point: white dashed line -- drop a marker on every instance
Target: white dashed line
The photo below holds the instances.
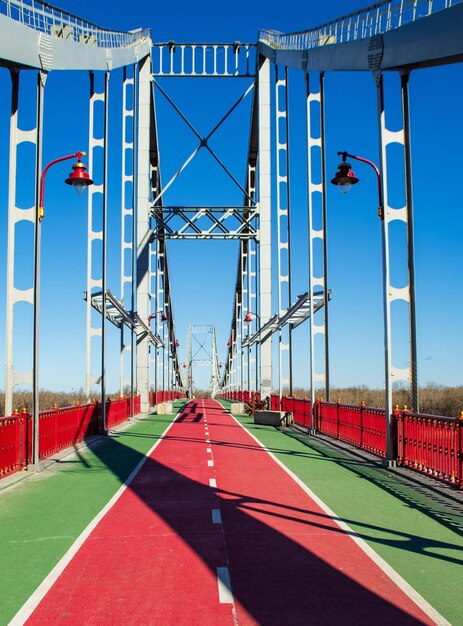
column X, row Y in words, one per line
column 224, row 585
column 209, row 450
column 213, row 483
column 210, row 463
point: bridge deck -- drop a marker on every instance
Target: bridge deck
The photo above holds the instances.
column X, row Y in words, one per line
column 213, row 529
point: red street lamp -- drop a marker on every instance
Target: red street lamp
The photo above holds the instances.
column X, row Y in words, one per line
column 79, row 179
column 345, row 177
column 164, row 317
column 248, row 318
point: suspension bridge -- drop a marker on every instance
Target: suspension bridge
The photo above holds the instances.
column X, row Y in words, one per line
column 158, row 507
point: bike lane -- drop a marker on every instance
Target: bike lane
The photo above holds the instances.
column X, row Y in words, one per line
column 154, row 556
column 212, row 530
column 290, row 562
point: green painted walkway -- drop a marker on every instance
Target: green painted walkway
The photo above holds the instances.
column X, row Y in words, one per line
column 416, row 527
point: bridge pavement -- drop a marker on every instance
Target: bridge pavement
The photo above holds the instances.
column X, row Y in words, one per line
column 212, row 529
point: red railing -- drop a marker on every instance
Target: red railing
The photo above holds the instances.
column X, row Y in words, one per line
column 432, row 445
column 58, row 429
column 426, row 443
column 301, row 410
column 61, row 428
column 360, row 425
column 13, row 442
column 156, row 397
column 240, row 396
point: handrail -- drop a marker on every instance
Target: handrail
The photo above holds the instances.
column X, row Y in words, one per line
column 52, row 21
column 374, row 20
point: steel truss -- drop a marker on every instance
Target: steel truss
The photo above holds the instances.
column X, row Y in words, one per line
column 204, row 222
column 191, row 222
column 198, row 354
column 120, row 317
column 299, row 312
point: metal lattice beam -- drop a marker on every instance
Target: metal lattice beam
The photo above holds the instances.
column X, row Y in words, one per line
column 300, row 311
column 205, row 222
column 119, row 316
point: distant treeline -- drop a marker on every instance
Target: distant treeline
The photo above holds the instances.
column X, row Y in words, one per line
column 434, row 399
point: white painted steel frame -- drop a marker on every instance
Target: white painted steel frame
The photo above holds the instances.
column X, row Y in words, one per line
column 188, row 383
column 373, row 20
column 41, row 78
column 391, row 293
column 253, row 354
column 155, row 181
column 265, row 226
column 142, row 212
column 153, row 318
column 127, row 215
column 244, row 308
column 15, row 295
column 160, row 310
column 283, row 226
column 215, row 374
column 316, row 160
column 96, row 283
column 63, row 25
column 212, row 60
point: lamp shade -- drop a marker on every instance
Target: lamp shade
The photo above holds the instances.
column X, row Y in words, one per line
column 345, row 177
column 78, row 178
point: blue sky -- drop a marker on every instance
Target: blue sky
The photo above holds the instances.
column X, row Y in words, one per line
column 203, row 274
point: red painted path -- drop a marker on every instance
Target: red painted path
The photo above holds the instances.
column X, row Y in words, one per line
column 154, row 557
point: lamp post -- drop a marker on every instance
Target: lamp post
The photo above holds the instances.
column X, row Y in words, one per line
column 344, row 179
column 79, row 180
column 248, row 319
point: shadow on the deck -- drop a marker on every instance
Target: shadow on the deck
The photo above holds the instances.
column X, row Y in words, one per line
column 439, row 505
column 273, row 577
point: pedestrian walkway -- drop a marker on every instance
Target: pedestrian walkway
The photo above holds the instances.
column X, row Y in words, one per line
column 210, row 527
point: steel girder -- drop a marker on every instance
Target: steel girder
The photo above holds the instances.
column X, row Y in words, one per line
column 390, row 35
column 190, row 222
